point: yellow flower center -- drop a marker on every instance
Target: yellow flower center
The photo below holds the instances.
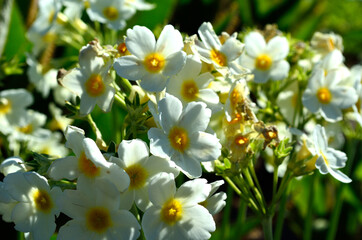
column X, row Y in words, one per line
column 235, row 97
column 94, row 85
column 98, row 219
column 111, row 13
column 42, row 201
column 179, row 139
column 218, row 57
column 86, row 4
column 154, row 62
column 263, row 62
column 138, row 176
column 171, row 211
column 27, row 129
column 189, row 90
column 5, row 106
column 324, row 95
column 87, row 167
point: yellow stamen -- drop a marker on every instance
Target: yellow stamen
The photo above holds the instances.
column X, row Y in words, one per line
column 154, row 62
column 98, row 219
column 42, row 201
column 138, row 176
column 241, row 140
column 122, row 49
column 87, row 167
column 263, row 62
column 94, row 85
column 111, row 13
column 324, row 95
column 218, row 57
column 171, row 211
column 27, row 129
column 189, row 90
column 179, row 139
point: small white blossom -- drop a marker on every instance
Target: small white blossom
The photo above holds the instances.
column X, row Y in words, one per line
column 177, row 214
column 182, row 136
column 151, row 62
column 329, row 160
column 266, row 60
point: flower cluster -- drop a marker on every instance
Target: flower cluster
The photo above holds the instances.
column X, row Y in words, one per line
column 191, row 104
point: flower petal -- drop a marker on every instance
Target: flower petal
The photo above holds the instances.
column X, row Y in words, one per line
column 174, row 63
column 254, row 44
column 193, row 192
column 195, row 117
column 170, row 41
column 129, row 67
column 140, row 41
column 278, row 48
column 162, row 188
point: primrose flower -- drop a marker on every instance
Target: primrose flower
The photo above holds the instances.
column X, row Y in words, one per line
column 135, row 160
column 182, row 137
column 37, row 207
column 88, row 164
column 266, row 60
column 215, row 202
column 11, row 165
column 151, row 62
column 177, row 214
column 111, row 12
column 43, row 80
column 324, row 43
column 221, row 54
column 95, row 213
column 91, row 81
column 329, row 160
column 13, row 104
column 326, row 95
column 189, row 85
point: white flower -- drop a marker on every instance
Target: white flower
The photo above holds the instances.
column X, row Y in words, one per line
column 135, row 160
column 7, row 203
column 329, row 159
column 214, row 203
column 326, row 42
column 221, row 55
column 326, row 95
column 151, row 62
column 183, row 138
column 13, row 103
column 88, row 164
column 189, row 85
column 12, row 165
column 95, row 213
column 58, row 122
column 266, row 60
column 36, row 208
column 176, row 214
column 112, row 12
column 91, row 81
column 50, row 145
column 43, row 81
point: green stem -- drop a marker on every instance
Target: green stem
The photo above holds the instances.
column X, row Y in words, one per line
column 120, row 101
column 275, row 181
column 232, row 185
column 267, row 227
column 281, row 214
column 309, row 218
column 352, row 146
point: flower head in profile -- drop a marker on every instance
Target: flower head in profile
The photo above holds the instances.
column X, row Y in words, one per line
column 221, row 54
column 91, row 81
column 327, row 96
column 176, row 213
column 324, row 43
column 37, row 203
column 13, row 104
column 95, row 213
column 152, row 62
column 329, row 160
column 135, row 160
column 182, row 137
column 88, row 164
column 265, row 59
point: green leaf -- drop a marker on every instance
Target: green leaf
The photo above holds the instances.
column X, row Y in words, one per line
column 5, row 15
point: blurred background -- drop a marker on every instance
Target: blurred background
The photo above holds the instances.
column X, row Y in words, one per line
column 300, row 18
